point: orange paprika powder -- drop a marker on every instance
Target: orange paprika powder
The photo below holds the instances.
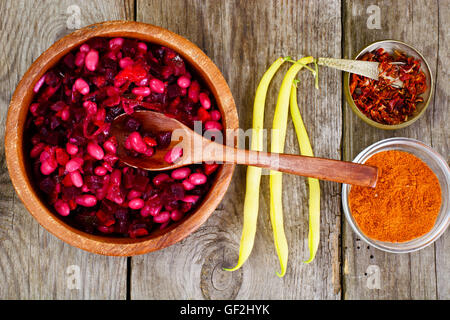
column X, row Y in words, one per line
column 405, row 203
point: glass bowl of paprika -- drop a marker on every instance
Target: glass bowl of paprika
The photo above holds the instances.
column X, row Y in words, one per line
column 377, row 102
column 409, row 208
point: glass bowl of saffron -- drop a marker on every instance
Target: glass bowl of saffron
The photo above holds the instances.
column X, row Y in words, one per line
column 377, row 102
column 410, row 207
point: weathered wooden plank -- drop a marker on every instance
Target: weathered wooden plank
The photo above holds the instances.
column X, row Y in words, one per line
column 243, row 38
column 440, row 136
column 33, row 263
column 407, row 276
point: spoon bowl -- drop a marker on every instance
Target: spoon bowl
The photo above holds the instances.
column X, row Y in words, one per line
column 152, row 122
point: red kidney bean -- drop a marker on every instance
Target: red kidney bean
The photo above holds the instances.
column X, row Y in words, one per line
column 74, row 164
column 197, row 179
column 162, row 217
column 180, row 173
column 79, row 58
column 191, row 198
column 39, row 84
column 110, row 147
column 81, row 86
column 143, row 82
column 125, row 62
column 142, row 47
column 213, row 125
column 95, row 151
column 157, row 85
column 203, row 114
column 116, row 43
column 141, row 91
column 65, row 114
column 71, row 149
column 45, row 155
column 194, row 91
column 86, row 200
column 33, row 108
column 48, row 166
column 62, row 207
column 137, row 143
column 173, row 155
column 136, row 204
column 215, row 115
column 91, row 60
column 85, row 48
column 187, row 185
column 184, row 82
column 100, row 171
column 160, row 178
column 204, row 100
column 176, row 215
column 76, row 178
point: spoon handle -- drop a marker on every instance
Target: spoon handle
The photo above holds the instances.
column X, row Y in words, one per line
column 320, row 168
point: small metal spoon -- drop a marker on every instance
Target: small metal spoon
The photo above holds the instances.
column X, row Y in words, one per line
column 367, row 69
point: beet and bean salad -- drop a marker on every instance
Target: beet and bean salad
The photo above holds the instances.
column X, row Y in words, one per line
column 73, row 156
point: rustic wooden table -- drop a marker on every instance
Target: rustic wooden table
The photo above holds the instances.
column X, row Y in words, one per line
column 242, row 38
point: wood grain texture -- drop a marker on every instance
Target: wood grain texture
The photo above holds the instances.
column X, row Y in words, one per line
column 33, row 263
column 440, row 132
column 417, row 275
column 243, row 39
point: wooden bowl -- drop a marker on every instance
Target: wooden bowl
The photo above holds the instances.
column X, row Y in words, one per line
column 14, row 143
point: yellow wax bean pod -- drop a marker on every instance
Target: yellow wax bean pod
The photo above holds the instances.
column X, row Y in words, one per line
column 314, row 187
column 251, row 202
column 276, row 178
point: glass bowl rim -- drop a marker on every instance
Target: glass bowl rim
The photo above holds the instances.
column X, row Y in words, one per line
column 426, row 239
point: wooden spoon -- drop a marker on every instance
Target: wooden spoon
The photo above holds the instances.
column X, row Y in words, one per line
column 197, row 149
